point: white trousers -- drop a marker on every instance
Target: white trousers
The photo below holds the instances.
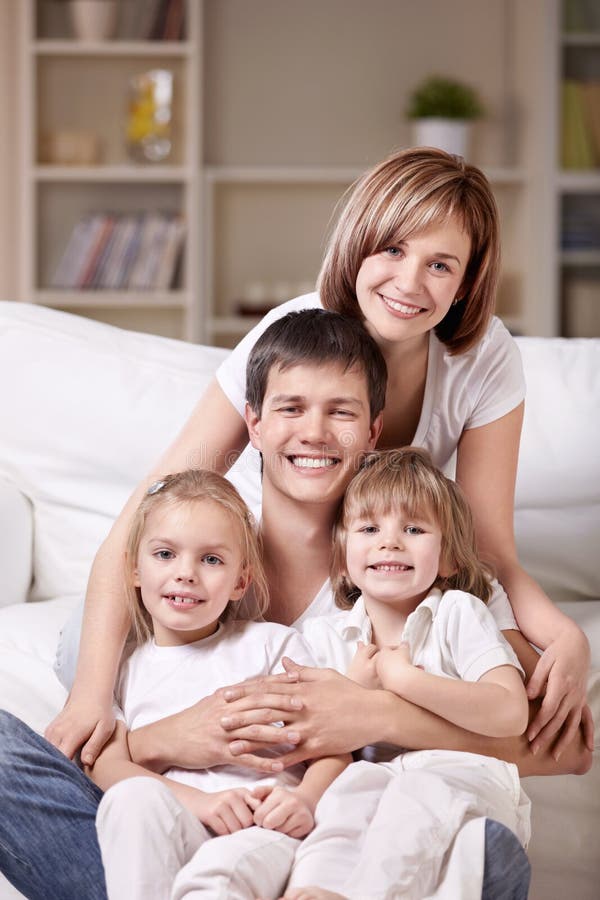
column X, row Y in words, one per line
column 412, row 828
column 153, row 848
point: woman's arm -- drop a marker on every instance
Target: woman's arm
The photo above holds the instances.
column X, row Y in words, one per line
column 486, row 470
column 496, row 705
column 212, row 435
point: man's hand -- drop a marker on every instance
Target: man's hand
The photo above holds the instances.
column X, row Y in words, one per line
column 326, row 712
column 81, row 722
column 283, row 809
column 560, row 677
column 363, row 668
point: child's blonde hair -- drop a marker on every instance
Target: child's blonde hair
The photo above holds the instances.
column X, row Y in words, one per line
column 402, row 196
column 188, row 487
column 407, row 480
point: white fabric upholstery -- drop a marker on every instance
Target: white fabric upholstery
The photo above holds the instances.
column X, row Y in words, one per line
column 88, row 408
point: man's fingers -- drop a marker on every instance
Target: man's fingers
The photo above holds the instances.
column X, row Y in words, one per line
column 263, row 720
column 259, row 763
column 280, row 695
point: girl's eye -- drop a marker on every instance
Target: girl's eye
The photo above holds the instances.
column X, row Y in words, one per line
column 413, row 529
column 164, row 554
column 211, row 560
column 369, row 529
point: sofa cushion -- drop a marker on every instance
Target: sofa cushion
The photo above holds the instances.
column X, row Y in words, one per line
column 89, row 410
column 16, row 530
column 557, row 508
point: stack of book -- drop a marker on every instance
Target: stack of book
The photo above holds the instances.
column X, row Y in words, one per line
column 580, row 124
column 122, row 252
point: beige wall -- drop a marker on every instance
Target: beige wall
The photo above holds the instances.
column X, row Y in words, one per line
column 8, row 150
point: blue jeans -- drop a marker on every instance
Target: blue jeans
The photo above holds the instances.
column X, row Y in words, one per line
column 48, row 844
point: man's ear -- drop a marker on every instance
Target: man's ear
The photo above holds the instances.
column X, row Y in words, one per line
column 253, row 426
column 375, row 431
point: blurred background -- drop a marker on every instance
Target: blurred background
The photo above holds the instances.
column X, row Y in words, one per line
column 174, row 166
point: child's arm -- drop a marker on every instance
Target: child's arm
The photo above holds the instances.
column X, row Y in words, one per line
column 214, row 429
column 292, row 810
column 496, row 705
column 223, row 811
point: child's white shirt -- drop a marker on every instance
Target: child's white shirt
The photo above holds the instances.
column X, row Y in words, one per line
column 155, row 682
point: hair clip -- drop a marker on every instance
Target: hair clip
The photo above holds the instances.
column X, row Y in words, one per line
column 156, row 487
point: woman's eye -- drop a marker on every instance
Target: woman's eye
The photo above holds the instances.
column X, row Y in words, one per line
column 440, row 267
column 392, row 251
column 211, row 560
column 164, row 554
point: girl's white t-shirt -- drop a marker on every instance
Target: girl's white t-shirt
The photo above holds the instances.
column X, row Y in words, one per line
column 462, row 391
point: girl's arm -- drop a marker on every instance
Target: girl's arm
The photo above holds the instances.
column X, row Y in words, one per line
column 212, row 435
column 486, row 470
column 496, row 705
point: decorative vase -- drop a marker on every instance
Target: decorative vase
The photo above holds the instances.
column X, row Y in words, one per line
column 451, row 135
column 93, row 20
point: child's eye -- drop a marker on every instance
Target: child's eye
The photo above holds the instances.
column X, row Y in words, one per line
column 369, row 529
column 413, row 529
column 211, row 560
column 164, row 554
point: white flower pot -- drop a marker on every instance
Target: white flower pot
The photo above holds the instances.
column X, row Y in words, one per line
column 93, row 20
column 451, row 135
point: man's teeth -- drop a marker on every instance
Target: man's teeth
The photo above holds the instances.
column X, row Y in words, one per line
column 310, row 462
column 174, row 598
column 401, row 308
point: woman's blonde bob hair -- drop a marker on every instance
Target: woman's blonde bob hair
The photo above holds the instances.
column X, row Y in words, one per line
column 402, row 196
column 191, row 486
column 406, row 480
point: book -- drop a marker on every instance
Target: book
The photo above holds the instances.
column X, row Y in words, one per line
column 171, row 251
column 576, row 142
column 62, row 277
column 591, row 101
column 86, row 276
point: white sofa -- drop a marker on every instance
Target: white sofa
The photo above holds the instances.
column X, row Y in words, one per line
column 87, row 408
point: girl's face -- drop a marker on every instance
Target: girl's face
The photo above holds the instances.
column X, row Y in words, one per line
column 406, row 290
column 189, row 567
column 393, row 558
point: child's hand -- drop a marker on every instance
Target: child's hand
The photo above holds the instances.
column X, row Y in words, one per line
column 81, row 722
column 282, row 809
column 363, row 668
column 224, row 811
column 393, row 666
column 561, row 675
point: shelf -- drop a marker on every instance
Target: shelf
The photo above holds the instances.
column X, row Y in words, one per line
column 581, row 39
column 126, row 173
column 325, row 175
column 232, row 324
column 112, row 48
column 112, row 299
column 579, row 182
column 580, row 258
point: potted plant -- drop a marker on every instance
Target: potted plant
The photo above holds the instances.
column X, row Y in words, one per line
column 442, row 110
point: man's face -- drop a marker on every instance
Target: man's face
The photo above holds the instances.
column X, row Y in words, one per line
column 314, row 427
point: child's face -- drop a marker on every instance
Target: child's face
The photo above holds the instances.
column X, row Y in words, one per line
column 189, row 567
column 406, row 290
column 393, row 558
column 314, row 428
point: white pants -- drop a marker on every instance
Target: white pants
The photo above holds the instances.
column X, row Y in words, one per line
column 412, row 828
column 155, row 849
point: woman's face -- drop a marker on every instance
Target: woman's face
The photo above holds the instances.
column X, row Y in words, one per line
column 406, row 289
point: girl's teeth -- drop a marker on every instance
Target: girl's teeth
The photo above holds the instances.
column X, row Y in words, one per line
column 188, row 600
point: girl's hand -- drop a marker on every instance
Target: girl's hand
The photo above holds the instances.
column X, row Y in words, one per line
column 81, row 722
column 560, row 676
column 363, row 668
column 393, row 665
column 284, row 810
column 224, row 811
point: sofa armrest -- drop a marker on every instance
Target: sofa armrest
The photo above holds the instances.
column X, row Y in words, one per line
column 16, row 528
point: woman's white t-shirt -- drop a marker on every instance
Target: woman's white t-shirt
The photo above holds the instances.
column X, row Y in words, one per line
column 462, row 391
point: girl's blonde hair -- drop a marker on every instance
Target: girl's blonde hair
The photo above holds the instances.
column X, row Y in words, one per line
column 188, row 487
column 406, row 480
column 402, row 196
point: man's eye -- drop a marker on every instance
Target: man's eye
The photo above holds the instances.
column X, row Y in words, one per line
column 211, row 560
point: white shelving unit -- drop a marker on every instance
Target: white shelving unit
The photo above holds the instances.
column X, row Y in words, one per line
column 58, row 77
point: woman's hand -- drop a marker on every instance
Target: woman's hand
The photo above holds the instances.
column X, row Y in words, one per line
column 327, row 713
column 363, row 668
column 81, row 721
column 282, row 809
column 560, row 676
